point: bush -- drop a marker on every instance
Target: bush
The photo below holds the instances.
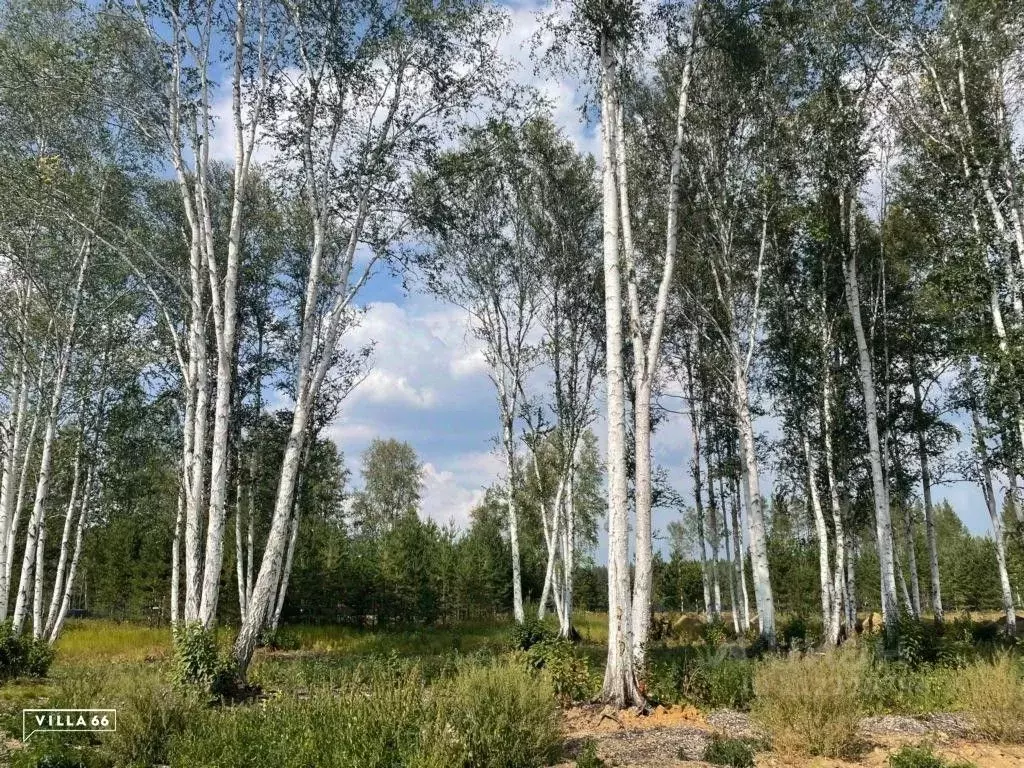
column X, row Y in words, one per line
column 199, row 662
column 567, row 668
column 897, row 687
column 524, row 636
column 506, row 716
column 704, row 676
column 22, row 655
column 811, row 704
column 588, row 757
column 737, row 753
column 922, row 757
column 993, row 695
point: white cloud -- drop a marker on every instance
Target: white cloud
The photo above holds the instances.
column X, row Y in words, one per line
column 381, row 386
column 450, row 495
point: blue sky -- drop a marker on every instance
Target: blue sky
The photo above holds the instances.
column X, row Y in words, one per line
column 429, row 384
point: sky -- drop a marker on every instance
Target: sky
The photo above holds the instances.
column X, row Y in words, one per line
column 429, row 384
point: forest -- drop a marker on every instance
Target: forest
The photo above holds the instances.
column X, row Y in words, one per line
column 787, row 235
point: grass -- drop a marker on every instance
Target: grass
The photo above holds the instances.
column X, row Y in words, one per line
column 992, row 694
column 811, row 704
column 457, row 696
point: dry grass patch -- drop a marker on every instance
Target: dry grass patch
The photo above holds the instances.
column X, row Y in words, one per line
column 992, row 694
column 811, row 704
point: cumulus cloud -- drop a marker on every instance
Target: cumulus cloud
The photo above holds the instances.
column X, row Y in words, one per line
column 450, row 495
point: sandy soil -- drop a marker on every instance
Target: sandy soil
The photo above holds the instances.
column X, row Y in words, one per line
column 671, row 737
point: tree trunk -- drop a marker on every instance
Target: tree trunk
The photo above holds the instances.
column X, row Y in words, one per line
column 620, row 686
column 755, row 513
column 929, row 512
column 829, row 626
column 69, row 585
column 988, row 490
column 740, row 565
column 883, row 522
column 37, row 523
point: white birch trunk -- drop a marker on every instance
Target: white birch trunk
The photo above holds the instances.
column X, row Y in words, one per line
column 179, row 522
column 69, row 584
column 755, row 513
column 37, row 522
column 883, row 521
column 65, row 540
column 830, row 627
column 929, row 512
column 740, row 564
column 620, row 684
column 988, row 489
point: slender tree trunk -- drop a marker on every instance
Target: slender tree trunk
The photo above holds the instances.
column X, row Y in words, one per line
column 883, row 522
column 69, row 585
column 755, row 513
column 620, row 686
column 37, row 523
column 716, row 586
column 179, row 523
column 830, row 627
column 239, row 554
column 728, row 537
column 839, row 591
column 740, row 564
column 988, row 490
column 65, row 540
column 513, row 518
column 915, row 585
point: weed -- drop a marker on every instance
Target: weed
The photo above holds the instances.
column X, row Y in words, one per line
column 811, row 704
column 736, row 753
column 992, row 694
column 588, row 757
column 922, row 757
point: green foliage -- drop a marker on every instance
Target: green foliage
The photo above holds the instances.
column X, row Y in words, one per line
column 587, row 756
column 567, row 667
column 811, row 704
column 736, row 753
column 922, row 757
column 705, row 676
column 149, row 717
column 505, row 716
column 992, row 694
column 898, row 687
column 523, row 636
column 21, row 655
column 200, row 662
column 380, row 715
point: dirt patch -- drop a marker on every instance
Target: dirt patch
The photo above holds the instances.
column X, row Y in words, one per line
column 672, row 737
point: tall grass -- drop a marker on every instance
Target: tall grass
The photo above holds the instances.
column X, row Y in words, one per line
column 992, row 694
column 811, row 704
column 386, row 716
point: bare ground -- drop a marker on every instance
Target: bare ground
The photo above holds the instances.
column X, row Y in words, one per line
column 674, row 737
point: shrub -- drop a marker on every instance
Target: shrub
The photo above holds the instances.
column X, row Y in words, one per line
column 922, row 757
column 587, row 756
column 737, row 753
column 703, row 676
column 506, row 716
column 567, row 668
column 22, row 655
column 898, row 687
column 993, row 695
column 524, row 636
column 198, row 661
column 811, row 704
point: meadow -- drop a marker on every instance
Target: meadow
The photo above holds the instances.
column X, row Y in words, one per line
column 484, row 695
